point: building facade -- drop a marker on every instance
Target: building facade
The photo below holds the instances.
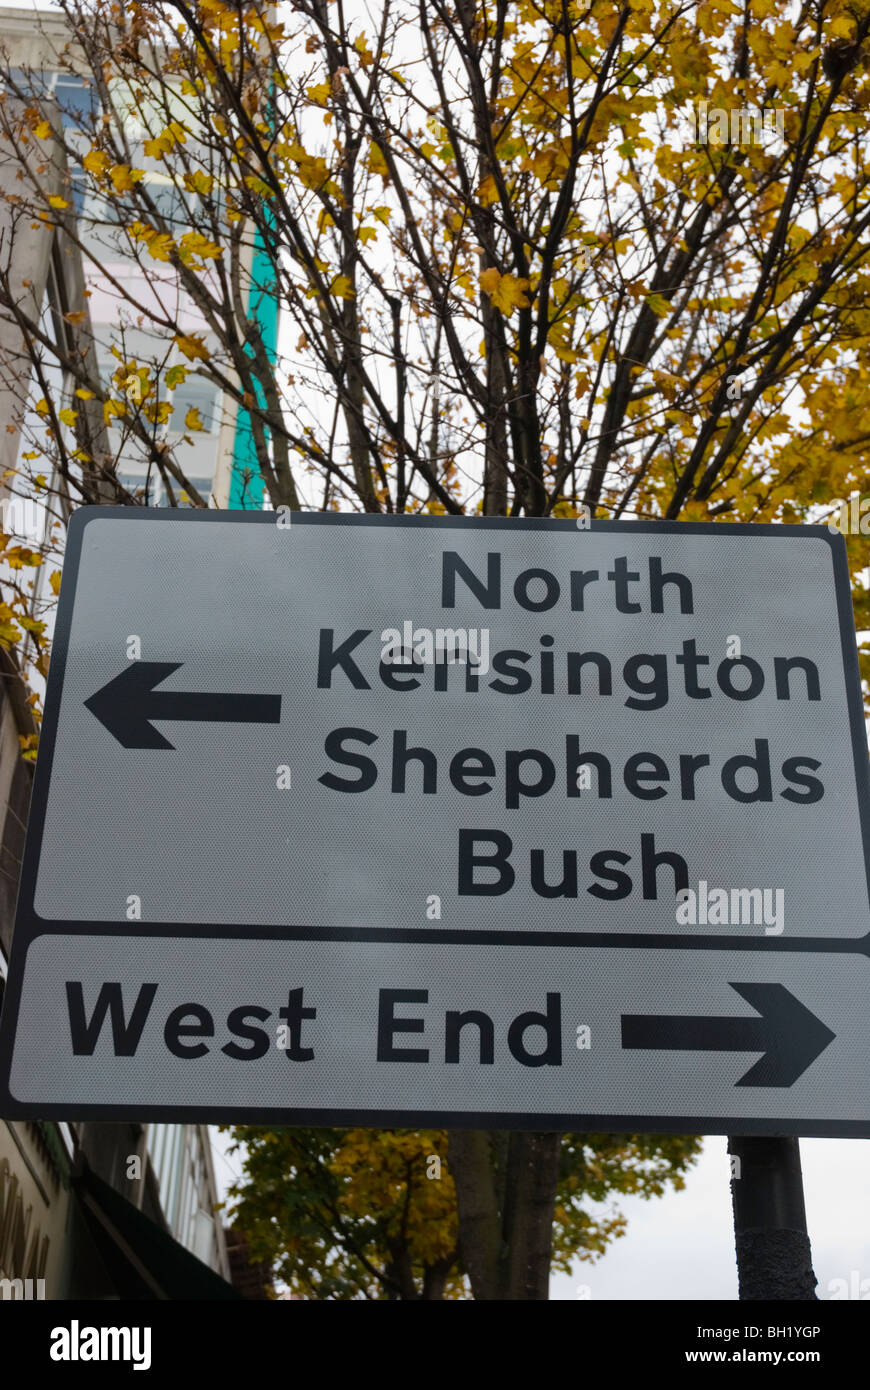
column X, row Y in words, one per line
column 95, row 1210
column 219, row 460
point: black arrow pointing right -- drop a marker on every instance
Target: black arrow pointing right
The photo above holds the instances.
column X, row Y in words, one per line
column 127, row 703
column 790, row 1037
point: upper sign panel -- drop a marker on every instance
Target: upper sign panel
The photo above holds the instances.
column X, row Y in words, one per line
column 634, row 709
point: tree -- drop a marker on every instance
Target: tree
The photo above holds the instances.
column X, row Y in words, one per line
column 373, row 1214
column 532, row 258
column 344, row 1214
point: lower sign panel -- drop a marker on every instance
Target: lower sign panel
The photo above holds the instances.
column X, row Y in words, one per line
column 448, row 1033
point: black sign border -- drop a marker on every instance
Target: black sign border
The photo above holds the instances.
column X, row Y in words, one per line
column 29, row 925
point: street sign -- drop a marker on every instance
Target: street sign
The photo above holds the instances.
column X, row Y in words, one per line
column 447, row 821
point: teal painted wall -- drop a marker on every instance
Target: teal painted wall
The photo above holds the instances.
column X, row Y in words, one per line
column 246, row 484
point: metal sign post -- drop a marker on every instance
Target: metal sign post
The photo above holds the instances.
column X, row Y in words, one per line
column 774, row 1260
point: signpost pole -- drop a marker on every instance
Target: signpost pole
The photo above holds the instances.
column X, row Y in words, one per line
column 774, row 1260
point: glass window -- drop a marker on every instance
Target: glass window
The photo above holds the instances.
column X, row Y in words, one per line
column 157, row 1150
column 147, row 490
column 174, row 1177
column 169, row 201
column 194, row 394
column 76, row 98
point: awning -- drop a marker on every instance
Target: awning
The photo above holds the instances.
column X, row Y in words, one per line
column 144, row 1261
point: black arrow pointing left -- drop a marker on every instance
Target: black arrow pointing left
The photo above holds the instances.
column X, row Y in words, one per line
column 127, row 704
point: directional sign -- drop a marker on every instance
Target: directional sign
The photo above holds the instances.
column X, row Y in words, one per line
column 127, row 705
column 435, row 821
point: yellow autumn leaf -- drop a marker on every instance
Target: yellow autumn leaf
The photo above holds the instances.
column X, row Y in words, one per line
column 465, row 283
column 260, row 186
column 366, row 57
column 777, row 75
column 195, row 244
column 159, row 147
column 96, row 162
column 193, row 419
column 29, row 741
column 382, row 214
column 341, row 287
column 659, row 305
column 158, row 413
column 377, row 163
column 199, row 182
column 842, row 28
column 160, row 246
column 192, row 346
column 43, row 130
column 506, row 292
column 320, row 93
column 124, row 178
column 21, row 555
column 487, row 192
column 54, row 581
column 67, row 416
column 55, row 201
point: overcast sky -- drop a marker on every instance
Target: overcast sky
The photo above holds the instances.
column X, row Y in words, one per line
column 682, row 1246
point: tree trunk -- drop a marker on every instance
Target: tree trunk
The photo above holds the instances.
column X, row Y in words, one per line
column 506, row 1194
column 505, row 1183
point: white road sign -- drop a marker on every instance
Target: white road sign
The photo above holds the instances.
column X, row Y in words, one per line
column 405, row 821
